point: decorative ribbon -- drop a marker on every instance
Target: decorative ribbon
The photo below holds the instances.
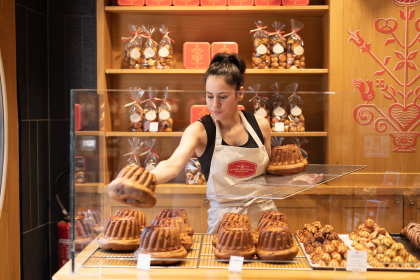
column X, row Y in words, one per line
column 257, row 95
column 151, row 101
column 135, row 102
column 150, row 151
column 133, row 154
column 148, row 36
column 278, row 32
column 259, row 28
column 166, row 35
column 132, row 38
column 294, row 32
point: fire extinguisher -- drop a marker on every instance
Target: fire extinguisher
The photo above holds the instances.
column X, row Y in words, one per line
column 63, row 229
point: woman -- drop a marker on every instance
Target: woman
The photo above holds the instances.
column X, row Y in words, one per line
column 231, row 145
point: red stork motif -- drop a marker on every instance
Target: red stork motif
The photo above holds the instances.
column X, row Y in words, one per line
column 404, row 114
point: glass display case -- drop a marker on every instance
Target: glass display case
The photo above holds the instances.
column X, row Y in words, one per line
column 366, row 156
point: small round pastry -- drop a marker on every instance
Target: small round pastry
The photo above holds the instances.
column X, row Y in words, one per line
column 311, row 255
column 276, row 243
column 396, row 246
column 318, row 225
column 326, row 257
column 398, row 259
column 134, row 186
column 329, row 248
column 364, row 233
column 369, row 223
column 287, row 159
column 370, row 246
column 342, row 248
column 370, row 258
column 353, row 236
column 161, row 242
column 386, row 260
column 406, row 265
column 336, row 244
column 403, row 253
column 178, row 224
column 378, row 265
column 316, row 257
column 120, row 234
column 309, row 249
column 234, row 241
column 394, row 265
column 343, row 263
column 381, row 249
column 390, row 253
column 411, row 259
column 138, row 214
column 329, row 226
column 336, row 256
column 168, row 213
column 333, row 263
column 319, row 237
column 320, row 263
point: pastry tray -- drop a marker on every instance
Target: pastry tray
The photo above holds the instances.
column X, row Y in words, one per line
column 280, row 187
column 208, row 260
column 102, row 258
column 348, row 242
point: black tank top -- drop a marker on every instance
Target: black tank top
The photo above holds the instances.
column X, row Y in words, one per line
column 207, row 121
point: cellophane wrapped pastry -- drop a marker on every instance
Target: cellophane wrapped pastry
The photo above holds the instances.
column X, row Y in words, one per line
column 150, row 110
column 151, row 157
column 261, row 53
column 132, row 54
column 276, row 142
column 135, row 145
column 136, row 114
column 278, row 47
column 165, row 50
column 259, row 102
column 150, row 48
column 165, row 113
column 193, row 173
column 295, row 52
column 278, row 105
column 295, row 120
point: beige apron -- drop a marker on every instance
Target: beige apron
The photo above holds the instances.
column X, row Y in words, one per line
column 230, row 165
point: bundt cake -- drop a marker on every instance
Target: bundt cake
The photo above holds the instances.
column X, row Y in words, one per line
column 134, row 186
column 91, row 215
column 287, row 159
column 120, row 234
column 234, row 241
column 274, row 216
column 168, row 213
column 83, row 233
column 138, row 214
column 276, row 243
column 263, row 224
column 223, row 223
column 161, row 242
column 237, row 217
column 178, row 224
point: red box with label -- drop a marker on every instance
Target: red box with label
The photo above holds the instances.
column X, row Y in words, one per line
column 295, row 2
column 267, row 2
column 78, row 117
column 186, row 2
column 198, row 111
column 196, row 55
column 130, row 2
column 213, row 2
column 158, row 2
column 223, row 47
column 241, row 2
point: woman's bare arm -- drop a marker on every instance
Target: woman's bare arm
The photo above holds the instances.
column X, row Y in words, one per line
column 191, row 139
column 266, row 132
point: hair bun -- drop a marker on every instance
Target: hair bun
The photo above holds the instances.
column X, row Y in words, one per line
column 238, row 61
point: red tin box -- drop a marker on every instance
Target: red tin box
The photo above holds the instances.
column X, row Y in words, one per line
column 130, row 2
column 196, row 55
column 198, row 111
column 186, row 2
column 79, row 117
column 267, row 2
column 158, row 2
column 241, row 2
column 295, row 2
column 223, row 47
column 213, row 2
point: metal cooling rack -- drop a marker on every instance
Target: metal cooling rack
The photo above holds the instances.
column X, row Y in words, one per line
column 280, row 187
column 208, row 260
column 102, row 258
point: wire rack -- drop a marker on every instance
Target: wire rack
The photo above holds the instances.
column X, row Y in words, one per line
column 281, row 187
column 102, row 258
column 208, row 260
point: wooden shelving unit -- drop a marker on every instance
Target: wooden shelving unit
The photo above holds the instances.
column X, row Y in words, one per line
column 307, row 11
column 179, row 134
column 89, row 133
column 300, row 72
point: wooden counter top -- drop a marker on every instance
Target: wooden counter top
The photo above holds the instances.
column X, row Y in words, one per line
column 206, row 273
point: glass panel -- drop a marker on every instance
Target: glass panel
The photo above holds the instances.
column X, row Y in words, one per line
column 1, row 136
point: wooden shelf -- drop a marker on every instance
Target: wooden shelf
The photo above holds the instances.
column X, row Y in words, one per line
column 304, row 11
column 311, row 72
column 89, row 133
column 179, row 134
column 89, row 188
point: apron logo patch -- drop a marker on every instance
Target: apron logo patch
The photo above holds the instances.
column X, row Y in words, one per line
column 241, row 169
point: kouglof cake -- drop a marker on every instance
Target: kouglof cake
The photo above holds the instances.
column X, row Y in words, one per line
column 168, row 213
column 138, row 214
column 234, row 241
column 222, row 224
column 178, row 224
column 120, row 234
column 134, row 186
column 161, row 242
column 276, row 243
column 83, row 233
column 287, row 159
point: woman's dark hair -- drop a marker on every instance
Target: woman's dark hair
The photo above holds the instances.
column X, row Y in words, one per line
column 231, row 66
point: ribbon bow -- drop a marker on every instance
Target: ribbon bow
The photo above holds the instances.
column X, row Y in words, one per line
column 132, row 38
column 259, row 28
column 166, row 34
column 294, row 32
column 147, row 35
column 258, row 95
column 151, row 101
column 133, row 154
column 278, row 32
column 149, row 151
